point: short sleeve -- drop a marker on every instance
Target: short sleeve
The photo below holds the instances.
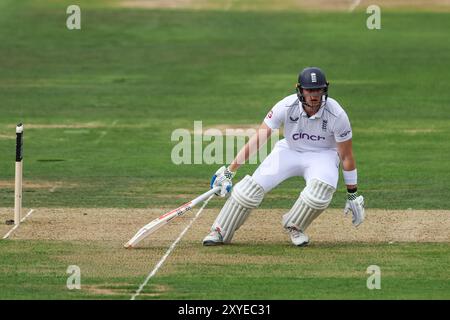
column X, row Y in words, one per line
column 275, row 117
column 342, row 128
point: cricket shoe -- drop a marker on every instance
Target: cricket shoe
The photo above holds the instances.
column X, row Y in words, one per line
column 214, row 238
column 298, row 238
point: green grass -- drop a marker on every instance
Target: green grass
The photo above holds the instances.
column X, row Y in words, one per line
column 35, row 270
column 323, row 271
column 130, row 77
column 161, row 70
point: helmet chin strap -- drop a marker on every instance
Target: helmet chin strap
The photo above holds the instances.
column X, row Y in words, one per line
column 316, row 109
column 302, row 99
column 323, row 95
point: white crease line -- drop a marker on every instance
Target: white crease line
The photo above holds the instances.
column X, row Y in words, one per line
column 354, row 4
column 17, row 225
column 160, row 263
column 103, row 133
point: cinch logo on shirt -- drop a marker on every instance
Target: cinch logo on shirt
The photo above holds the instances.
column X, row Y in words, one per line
column 302, row 135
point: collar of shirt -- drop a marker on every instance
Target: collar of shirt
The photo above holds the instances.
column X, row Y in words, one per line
column 317, row 115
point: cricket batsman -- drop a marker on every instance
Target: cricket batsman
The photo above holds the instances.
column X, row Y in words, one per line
column 318, row 138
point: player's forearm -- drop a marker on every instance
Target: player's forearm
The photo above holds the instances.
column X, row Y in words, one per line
column 244, row 154
column 250, row 148
column 348, row 164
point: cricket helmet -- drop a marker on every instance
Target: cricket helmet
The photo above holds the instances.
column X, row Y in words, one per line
column 312, row 78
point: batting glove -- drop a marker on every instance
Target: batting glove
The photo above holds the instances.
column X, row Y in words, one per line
column 222, row 178
column 355, row 205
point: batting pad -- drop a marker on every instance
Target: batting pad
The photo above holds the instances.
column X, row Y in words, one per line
column 313, row 200
column 246, row 195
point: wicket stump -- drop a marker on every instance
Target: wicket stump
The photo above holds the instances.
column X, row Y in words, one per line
column 18, row 184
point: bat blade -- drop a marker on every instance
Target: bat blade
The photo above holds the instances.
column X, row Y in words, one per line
column 165, row 218
column 154, row 225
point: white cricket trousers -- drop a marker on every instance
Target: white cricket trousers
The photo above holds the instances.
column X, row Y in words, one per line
column 283, row 163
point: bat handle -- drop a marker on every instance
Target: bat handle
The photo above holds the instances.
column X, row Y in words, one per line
column 204, row 196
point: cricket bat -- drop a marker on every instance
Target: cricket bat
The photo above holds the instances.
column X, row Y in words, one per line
column 166, row 217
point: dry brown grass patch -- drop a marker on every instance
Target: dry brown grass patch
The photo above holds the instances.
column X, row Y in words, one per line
column 7, row 136
column 87, row 125
column 96, row 236
column 118, row 225
column 304, row 5
column 39, row 184
column 229, row 129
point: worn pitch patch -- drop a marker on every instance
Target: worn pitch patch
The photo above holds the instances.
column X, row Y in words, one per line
column 263, row 225
column 93, row 240
column 37, row 184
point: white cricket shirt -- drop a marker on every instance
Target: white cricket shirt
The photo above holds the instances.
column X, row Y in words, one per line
column 319, row 132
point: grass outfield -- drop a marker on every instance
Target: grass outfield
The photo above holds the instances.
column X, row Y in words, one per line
column 99, row 106
column 406, row 274
column 116, row 90
column 410, row 248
